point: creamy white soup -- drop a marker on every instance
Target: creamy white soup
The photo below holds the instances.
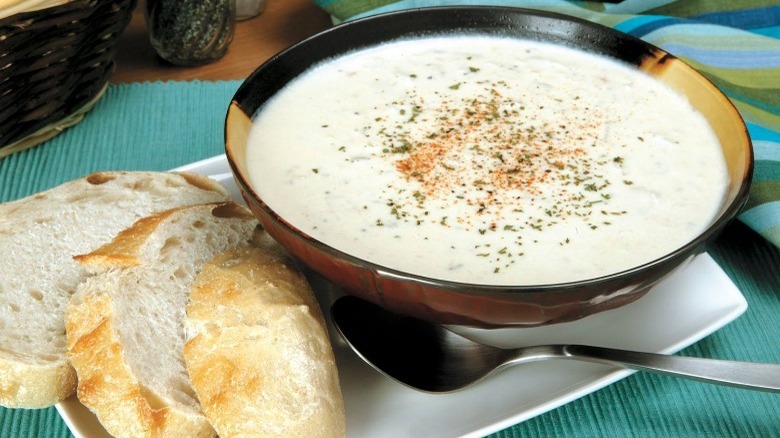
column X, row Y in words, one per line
column 487, row 160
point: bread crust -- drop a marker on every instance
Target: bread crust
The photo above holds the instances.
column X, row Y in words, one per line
column 37, row 275
column 258, row 353
column 34, row 385
column 107, row 383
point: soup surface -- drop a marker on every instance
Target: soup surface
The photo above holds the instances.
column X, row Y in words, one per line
column 487, row 160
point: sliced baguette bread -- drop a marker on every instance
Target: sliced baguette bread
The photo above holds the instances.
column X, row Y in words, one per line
column 258, row 352
column 39, row 235
column 125, row 332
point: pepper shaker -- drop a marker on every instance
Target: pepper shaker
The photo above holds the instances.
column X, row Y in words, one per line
column 191, row 32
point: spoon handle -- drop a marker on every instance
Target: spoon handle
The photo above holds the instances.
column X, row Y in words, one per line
column 751, row 375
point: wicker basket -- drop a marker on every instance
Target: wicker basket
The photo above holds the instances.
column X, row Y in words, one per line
column 55, row 61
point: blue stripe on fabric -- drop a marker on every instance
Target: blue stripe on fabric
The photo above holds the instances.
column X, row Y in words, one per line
column 762, row 217
column 635, row 22
column 758, row 132
column 694, row 28
column 411, row 4
column 732, row 59
column 744, row 19
column 766, row 150
column 635, row 7
column 658, row 23
column 772, row 32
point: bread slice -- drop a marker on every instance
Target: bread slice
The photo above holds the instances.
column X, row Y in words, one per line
column 39, row 235
column 125, row 328
column 258, row 352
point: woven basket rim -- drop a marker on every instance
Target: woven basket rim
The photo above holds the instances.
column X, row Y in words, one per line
column 56, row 60
column 13, row 7
column 53, row 129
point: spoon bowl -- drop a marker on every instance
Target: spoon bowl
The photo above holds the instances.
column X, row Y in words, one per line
column 430, row 358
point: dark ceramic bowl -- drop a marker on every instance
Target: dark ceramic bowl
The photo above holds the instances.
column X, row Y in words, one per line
column 474, row 304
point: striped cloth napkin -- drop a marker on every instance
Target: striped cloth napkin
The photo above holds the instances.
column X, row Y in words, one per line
column 735, row 44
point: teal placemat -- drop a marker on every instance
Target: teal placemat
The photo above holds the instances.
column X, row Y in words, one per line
column 165, row 125
column 151, row 126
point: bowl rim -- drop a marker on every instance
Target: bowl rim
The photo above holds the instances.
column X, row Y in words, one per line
column 725, row 215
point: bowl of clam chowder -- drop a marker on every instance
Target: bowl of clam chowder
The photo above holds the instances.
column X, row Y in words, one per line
column 487, row 167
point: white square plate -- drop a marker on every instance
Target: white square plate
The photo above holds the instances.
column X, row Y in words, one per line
column 693, row 302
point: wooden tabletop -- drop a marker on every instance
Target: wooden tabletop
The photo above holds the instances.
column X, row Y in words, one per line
column 281, row 24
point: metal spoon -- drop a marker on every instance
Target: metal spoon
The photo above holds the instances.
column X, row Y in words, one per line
column 430, row 358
